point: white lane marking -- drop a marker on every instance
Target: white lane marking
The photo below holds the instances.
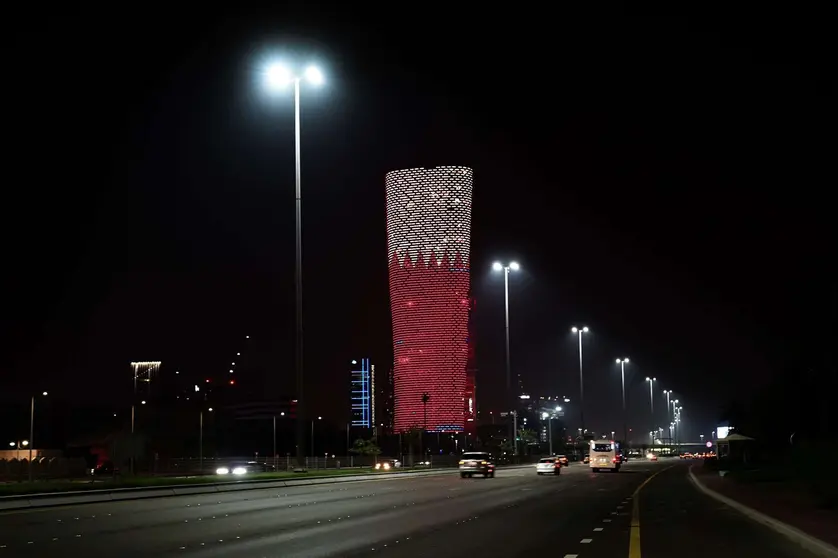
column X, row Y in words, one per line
column 586, row 541
column 619, row 507
column 597, row 528
column 606, row 521
column 571, row 556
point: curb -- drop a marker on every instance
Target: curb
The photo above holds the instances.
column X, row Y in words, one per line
column 805, row 540
column 55, row 499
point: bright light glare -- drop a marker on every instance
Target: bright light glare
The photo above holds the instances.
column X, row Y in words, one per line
column 278, row 75
column 514, row 266
column 497, row 266
column 222, row 471
column 619, row 361
column 314, row 75
column 574, row 329
column 239, row 471
column 585, row 329
column 45, row 394
column 558, row 409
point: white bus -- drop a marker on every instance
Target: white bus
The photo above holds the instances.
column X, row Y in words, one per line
column 605, row 454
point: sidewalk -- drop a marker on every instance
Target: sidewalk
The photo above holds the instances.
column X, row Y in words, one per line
column 782, row 501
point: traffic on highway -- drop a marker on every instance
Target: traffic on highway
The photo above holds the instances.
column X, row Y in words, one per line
column 514, row 511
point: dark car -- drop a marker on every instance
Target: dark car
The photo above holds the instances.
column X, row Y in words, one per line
column 477, row 463
column 563, row 460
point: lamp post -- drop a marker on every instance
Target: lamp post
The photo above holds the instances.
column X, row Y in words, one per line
column 17, row 444
column 312, row 437
column 652, row 395
column 579, row 331
column 279, row 76
column 32, row 432
column 201, row 440
column 667, row 393
column 512, row 266
column 622, row 362
column 133, row 445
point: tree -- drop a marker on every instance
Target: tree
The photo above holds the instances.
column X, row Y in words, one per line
column 365, row 447
column 525, row 438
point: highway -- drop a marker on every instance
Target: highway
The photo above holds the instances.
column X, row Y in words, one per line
column 518, row 513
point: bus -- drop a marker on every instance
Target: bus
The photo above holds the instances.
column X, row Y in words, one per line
column 605, row 454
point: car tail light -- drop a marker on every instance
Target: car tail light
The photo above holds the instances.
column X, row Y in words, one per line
column 614, row 460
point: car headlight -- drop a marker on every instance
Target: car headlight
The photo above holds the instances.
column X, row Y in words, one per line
column 239, row 470
column 386, row 465
column 378, row 465
column 222, row 471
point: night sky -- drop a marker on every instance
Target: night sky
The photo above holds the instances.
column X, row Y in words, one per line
column 660, row 180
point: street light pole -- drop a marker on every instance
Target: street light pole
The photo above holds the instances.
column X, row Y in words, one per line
column 280, row 76
column 580, row 331
column 622, row 363
column 201, row 443
column 513, row 266
column 31, row 434
column 652, row 395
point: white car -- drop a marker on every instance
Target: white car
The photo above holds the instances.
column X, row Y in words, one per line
column 549, row 466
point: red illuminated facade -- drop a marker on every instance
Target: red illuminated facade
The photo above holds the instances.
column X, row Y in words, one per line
column 428, row 241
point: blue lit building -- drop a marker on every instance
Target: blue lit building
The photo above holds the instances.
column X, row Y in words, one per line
column 363, row 394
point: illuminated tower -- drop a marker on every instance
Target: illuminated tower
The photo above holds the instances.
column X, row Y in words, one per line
column 428, row 241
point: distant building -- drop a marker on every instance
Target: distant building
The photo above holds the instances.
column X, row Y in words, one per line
column 385, row 400
column 362, row 394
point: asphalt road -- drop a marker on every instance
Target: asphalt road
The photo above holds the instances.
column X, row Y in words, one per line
column 515, row 514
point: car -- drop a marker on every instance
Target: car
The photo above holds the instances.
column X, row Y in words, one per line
column 563, row 460
column 476, row 463
column 586, row 459
column 548, row 466
column 652, row 456
column 388, row 464
column 245, row 468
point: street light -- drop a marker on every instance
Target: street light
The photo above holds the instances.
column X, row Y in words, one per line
column 512, row 266
column 279, row 76
column 652, row 395
column 18, row 444
column 312, row 437
column 32, row 432
column 622, row 362
column 667, row 393
column 580, row 331
column 201, row 441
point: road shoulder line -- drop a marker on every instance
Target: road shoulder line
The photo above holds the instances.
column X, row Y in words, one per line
column 805, row 540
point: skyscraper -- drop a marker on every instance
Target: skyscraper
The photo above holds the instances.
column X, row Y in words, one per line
column 428, row 243
column 362, row 394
